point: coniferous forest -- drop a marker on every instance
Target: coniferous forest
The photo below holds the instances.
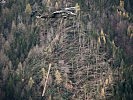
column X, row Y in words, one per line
column 66, row 49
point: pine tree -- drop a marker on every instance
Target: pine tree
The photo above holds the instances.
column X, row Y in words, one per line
column 28, row 9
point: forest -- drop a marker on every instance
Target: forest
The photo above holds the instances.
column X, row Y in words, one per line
column 66, row 49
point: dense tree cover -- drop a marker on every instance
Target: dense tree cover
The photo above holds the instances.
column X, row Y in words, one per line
column 87, row 56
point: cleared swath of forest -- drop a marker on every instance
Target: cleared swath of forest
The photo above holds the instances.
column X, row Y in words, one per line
column 66, row 49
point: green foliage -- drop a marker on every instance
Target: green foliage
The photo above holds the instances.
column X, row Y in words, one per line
column 124, row 88
column 21, row 45
column 33, row 37
column 9, row 88
column 83, row 5
column 18, row 48
column 118, row 57
column 76, row 52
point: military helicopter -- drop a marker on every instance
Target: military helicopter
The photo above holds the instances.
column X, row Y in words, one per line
column 63, row 13
column 2, row 2
column 58, row 14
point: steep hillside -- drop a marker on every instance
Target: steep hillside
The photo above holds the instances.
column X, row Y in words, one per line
column 66, row 49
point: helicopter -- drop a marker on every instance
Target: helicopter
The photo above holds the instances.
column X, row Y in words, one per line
column 63, row 13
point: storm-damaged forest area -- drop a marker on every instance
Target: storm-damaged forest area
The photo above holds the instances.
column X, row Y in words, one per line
column 66, row 49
